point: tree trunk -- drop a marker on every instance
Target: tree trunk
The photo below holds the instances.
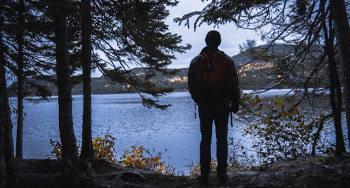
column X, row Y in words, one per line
column 6, row 140
column 335, row 98
column 7, row 124
column 68, row 140
column 335, row 88
column 87, row 149
column 2, row 115
column 2, row 123
column 342, row 32
column 20, row 79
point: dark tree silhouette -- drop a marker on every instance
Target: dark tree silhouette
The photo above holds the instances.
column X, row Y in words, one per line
column 86, row 28
column 334, row 87
column 133, row 33
column 342, row 33
column 6, row 140
column 3, row 120
column 69, row 144
column 20, row 80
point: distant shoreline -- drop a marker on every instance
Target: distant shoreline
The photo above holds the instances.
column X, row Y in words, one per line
column 271, row 92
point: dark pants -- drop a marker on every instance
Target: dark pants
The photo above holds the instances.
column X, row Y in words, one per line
column 220, row 118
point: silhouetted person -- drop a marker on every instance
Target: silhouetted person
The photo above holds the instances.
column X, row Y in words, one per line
column 213, row 84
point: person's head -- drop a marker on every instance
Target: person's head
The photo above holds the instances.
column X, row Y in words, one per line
column 213, row 38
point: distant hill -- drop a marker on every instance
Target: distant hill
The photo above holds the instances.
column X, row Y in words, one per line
column 179, row 81
column 102, row 85
column 241, row 59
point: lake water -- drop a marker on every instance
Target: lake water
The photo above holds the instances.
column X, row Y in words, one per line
column 126, row 119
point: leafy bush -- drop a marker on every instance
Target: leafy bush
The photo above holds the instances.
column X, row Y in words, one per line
column 56, row 152
column 138, row 157
column 104, row 147
column 284, row 133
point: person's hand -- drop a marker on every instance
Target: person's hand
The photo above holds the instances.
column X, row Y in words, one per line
column 234, row 106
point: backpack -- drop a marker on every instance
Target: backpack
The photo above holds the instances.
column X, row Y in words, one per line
column 212, row 75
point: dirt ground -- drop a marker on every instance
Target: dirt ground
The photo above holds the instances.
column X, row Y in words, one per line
column 310, row 172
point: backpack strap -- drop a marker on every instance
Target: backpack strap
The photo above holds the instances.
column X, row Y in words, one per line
column 195, row 111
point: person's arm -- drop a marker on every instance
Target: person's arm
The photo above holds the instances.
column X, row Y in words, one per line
column 235, row 90
column 191, row 76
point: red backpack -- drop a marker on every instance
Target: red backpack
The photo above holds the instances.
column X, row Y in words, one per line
column 212, row 74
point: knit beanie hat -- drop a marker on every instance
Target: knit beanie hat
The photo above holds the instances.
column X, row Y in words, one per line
column 213, row 38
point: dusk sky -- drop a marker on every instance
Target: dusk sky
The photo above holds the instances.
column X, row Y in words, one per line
column 231, row 37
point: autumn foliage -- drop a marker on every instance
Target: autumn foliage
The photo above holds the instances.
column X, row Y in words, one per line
column 283, row 132
column 137, row 157
column 104, row 147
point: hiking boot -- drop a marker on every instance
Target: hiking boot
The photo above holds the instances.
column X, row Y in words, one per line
column 203, row 179
column 223, row 178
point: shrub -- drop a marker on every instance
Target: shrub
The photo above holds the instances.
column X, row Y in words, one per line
column 104, row 147
column 138, row 157
column 284, row 132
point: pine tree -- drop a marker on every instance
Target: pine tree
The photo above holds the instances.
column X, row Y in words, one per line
column 127, row 32
column 133, row 33
column 24, row 56
column 335, row 87
column 3, row 121
column 21, row 78
column 6, row 140
column 3, row 116
column 86, row 27
column 342, row 32
column 69, row 145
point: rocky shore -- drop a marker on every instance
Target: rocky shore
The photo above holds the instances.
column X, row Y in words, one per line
column 307, row 172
